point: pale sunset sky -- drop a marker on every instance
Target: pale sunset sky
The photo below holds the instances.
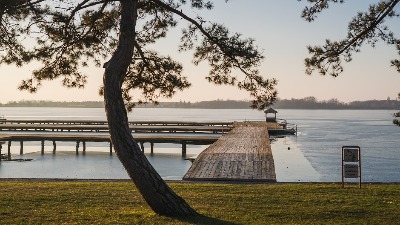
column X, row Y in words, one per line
column 281, row 33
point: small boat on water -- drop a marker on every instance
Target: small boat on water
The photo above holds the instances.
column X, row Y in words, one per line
column 286, row 128
column 290, row 131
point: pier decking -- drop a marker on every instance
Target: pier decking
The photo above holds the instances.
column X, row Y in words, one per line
column 244, row 154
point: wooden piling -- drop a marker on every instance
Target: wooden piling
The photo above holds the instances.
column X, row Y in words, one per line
column 111, row 148
column 84, row 146
column 142, row 146
column 54, row 147
column 21, row 147
column 9, row 150
column 151, row 147
column 42, row 151
column 77, row 147
column 183, row 148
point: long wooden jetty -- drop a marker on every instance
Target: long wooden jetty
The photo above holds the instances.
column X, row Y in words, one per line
column 104, row 128
column 134, row 126
column 184, row 140
column 103, row 122
column 244, row 154
column 177, row 132
column 241, row 155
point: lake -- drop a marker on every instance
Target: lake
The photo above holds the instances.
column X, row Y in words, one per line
column 313, row 155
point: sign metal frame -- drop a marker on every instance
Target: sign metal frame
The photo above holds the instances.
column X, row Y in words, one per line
column 351, row 163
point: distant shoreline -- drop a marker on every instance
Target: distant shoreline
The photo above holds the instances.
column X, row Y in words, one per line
column 305, row 103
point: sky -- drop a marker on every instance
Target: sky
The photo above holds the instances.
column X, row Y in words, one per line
column 280, row 32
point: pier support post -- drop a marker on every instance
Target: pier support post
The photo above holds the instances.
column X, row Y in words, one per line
column 111, row 148
column 54, row 147
column 77, row 147
column 183, row 148
column 142, row 146
column 9, row 150
column 21, row 147
column 42, row 151
column 84, row 146
column 1, row 147
column 151, row 147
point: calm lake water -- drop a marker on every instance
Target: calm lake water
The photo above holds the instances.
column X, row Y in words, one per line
column 313, row 155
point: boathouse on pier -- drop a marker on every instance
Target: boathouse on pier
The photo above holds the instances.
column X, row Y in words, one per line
column 270, row 111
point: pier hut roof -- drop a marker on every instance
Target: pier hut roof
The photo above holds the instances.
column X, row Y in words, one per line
column 270, row 110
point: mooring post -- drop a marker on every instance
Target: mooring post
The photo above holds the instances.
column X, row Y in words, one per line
column 42, row 151
column 77, row 147
column 9, row 150
column 54, row 147
column 151, row 147
column 21, row 147
column 84, row 146
column 110, row 148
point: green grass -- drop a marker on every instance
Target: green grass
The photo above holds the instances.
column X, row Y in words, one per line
column 120, row 203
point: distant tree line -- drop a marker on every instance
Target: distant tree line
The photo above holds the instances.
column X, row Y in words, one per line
column 303, row 103
column 42, row 103
column 313, row 103
column 216, row 104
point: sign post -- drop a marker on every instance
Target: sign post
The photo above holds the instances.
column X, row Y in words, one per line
column 351, row 163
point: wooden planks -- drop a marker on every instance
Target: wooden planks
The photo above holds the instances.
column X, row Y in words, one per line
column 244, row 154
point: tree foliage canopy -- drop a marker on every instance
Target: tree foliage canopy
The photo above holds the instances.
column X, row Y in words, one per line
column 67, row 35
column 365, row 28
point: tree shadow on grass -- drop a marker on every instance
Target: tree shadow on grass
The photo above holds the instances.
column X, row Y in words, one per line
column 201, row 219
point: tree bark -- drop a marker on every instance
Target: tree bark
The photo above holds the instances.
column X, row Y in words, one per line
column 159, row 196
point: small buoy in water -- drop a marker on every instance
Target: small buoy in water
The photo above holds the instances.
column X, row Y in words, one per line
column 288, row 148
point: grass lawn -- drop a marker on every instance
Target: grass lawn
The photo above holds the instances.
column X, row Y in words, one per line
column 23, row 202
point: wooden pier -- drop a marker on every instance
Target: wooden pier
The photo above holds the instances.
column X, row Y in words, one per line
column 134, row 126
column 103, row 122
column 177, row 132
column 244, row 154
column 104, row 128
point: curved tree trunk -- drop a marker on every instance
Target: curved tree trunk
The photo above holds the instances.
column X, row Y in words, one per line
column 161, row 198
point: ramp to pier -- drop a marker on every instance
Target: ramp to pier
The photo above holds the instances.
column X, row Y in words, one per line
column 243, row 154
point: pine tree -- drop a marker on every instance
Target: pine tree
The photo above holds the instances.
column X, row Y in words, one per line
column 66, row 35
